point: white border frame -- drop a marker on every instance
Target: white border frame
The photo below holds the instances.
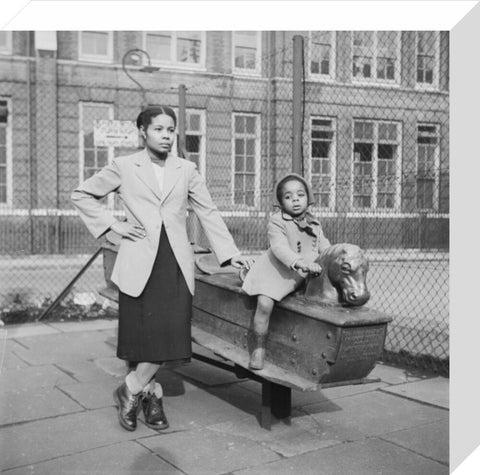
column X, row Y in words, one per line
column 258, row 155
column 108, row 58
column 258, row 58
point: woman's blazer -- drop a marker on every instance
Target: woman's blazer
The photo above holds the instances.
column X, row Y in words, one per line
column 133, row 178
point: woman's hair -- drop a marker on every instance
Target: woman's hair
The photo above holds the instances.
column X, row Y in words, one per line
column 145, row 117
column 284, row 181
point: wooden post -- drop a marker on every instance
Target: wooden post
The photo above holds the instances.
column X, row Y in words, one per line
column 182, row 120
column 297, row 102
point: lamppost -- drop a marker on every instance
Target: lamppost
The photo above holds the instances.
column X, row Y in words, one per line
column 136, row 55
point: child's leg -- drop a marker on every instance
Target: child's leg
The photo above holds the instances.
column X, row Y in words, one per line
column 261, row 320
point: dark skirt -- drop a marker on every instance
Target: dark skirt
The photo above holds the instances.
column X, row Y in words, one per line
column 155, row 327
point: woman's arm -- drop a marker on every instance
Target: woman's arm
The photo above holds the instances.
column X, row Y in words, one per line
column 86, row 199
column 211, row 220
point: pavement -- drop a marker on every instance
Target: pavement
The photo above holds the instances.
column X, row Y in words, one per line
column 57, row 416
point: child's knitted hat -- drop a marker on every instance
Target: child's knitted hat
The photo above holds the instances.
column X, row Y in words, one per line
column 293, row 176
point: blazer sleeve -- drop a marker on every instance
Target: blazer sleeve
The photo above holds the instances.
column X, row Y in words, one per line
column 210, row 218
column 86, row 199
column 277, row 236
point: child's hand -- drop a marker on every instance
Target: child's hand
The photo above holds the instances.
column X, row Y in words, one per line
column 312, row 268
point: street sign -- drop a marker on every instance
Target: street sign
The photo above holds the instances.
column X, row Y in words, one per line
column 115, row 133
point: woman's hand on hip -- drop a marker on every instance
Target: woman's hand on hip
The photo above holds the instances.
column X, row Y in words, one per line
column 128, row 230
column 241, row 261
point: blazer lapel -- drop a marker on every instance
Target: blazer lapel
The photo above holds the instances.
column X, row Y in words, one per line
column 144, row 170
column 173, row 166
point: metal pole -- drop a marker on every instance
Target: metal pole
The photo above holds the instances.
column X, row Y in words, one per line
column 297, row 159
column 182, row 120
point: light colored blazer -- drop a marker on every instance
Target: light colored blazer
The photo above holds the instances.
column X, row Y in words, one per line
column 133, row 178
column 273, row 273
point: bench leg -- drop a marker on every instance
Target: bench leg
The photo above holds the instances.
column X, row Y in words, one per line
column 276, row 401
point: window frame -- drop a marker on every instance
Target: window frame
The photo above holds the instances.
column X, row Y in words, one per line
column 258, row 144
column 9, row 155
column 8, row 48
column 173, row 48
column 333, row 54
column 436, row 176
column 332, row 159
column 257, row 71
column 436, row 70
column 108, row 58
column 202, row 168
column 374, row 80
column 398, row 169
column 110, row 150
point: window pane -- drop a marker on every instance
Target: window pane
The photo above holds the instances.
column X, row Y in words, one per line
column 239, row 124
column 3, row 135
column 3, row 193
column 89, row 158
column 250, row 164
column 158, row 46
column 3, row 39
column 250, row 125
column 363, row 152
column 3, row 175
column 102, row 157
column 239, row 147
column 95, row 43
column 386, row 151
column 239, row 163
column 188, row 51
column 250, row 147
column 320, row 149
column 194, row 122
column 192, row 143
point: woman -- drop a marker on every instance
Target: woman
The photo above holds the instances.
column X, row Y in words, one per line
column 154, row 269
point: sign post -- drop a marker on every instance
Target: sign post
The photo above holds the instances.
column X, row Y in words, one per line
column 115, row 133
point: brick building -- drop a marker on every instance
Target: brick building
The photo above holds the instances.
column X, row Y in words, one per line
column 375, row 127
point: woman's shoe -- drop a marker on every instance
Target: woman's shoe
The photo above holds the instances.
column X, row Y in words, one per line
column 153, row 410
column 127, row 404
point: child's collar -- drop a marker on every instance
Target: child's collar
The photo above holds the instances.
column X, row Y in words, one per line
column 309, row 217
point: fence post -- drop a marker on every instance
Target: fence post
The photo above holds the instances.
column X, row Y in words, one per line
column 297, row 102
column 182, row 120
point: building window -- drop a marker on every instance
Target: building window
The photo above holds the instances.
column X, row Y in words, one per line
column 322, row 161
column 322, row 54
column 246, row 51
column 185, row 48
column 5, row 42
column 96, row 46
column 5, row 154
column 428, row 46
column 427, row 166
column 376, row 56
column 246, row 159
column 376, row 164
column 92, row 158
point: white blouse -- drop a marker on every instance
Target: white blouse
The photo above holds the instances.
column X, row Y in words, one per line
column 159, row 173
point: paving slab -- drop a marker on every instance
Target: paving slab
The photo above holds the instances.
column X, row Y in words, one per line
column 47, row 349
column 26, row 405
column 86, row 325
column 8, row 358
column 206, row 374
column 86, row 370
column 434, row 391
column 33, row 442
column 375, row 413
column 125, row 458
column 298, row 435
column 430, row 440
column 199, row 408
column 393, row 375
column 206, row 452
column 303, row 398
column 33, row 377
column 92, row 395
column 25, row 330
column 111, row 365
column 365, row 457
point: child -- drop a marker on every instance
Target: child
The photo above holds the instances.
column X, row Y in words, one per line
column 296, row 238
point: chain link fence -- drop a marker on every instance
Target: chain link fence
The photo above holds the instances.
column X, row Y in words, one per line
column 374, row 141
